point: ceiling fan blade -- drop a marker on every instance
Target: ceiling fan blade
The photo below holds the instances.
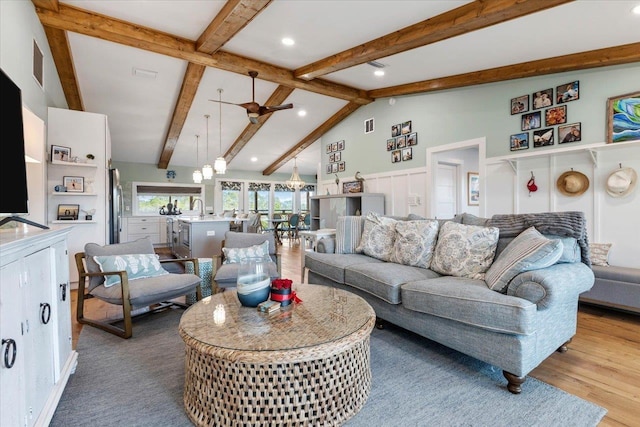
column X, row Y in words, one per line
column 266, row 109
column 230, row 103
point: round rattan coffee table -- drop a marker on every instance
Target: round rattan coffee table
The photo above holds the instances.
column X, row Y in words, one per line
column 306, row 364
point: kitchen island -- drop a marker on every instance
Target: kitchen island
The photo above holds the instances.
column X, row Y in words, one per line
column 201, row 237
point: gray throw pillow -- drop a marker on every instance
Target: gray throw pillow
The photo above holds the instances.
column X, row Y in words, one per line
column 378, row 237
column 414, row 243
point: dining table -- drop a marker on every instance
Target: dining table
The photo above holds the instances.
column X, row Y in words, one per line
column 276, row 224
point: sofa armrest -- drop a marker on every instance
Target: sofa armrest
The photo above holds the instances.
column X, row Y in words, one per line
column 326, row 245
column 546, row 286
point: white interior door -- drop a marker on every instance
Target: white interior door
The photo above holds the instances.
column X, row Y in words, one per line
column 446, row 190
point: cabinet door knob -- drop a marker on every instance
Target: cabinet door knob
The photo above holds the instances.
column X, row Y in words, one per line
column 45, row 309
column 11, row 344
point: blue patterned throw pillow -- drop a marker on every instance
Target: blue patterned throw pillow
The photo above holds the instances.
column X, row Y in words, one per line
column 137, row 266
column 415, row 242
column 237, row 255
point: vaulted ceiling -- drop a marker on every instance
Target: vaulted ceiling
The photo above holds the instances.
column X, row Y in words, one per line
column 153, row 66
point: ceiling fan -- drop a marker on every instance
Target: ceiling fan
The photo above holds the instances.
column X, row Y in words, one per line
column 255, row 110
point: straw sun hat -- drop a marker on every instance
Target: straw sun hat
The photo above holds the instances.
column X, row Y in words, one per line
column 621, row 182
column 572, row 183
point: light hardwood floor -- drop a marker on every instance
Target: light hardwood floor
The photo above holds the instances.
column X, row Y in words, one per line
column 601, row 366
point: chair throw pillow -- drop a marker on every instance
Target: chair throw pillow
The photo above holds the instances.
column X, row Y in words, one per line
column 415, row 241
column 464, row 250
column 378, row 237
column 237, row 255
column 137, row 266
column 530, row 250
column 600, row 253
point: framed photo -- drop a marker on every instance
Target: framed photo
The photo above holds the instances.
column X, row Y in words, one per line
column 412, row 139
column 334, row 146
column 406, row 128
column 334, row 167
column 543, row 137
column 352, row 187
column 407, row 154
column 519, row 141
column 623, row 120
column 401, row 141
column 332, row 157
column 543, row 98
column 74, row 184
column 338, row 156
column 328, row 148
column 520, row 104
column 60, row 154
column 341, row 167
column 531, row 121
column 569, row 133
column 473, row 188
column 391, row 144
column 568, row 92
column 396, row 156
column 368, row 125
column 68, row 212
column 555, row 115
column 328, row 168
column 395, row 130
column 341, row 145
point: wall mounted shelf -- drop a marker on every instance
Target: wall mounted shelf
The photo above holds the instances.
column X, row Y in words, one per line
column 70, row 193
column 72, row 164
column 80, row 221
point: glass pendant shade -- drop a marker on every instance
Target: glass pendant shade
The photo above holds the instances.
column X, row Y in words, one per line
column 295, row 183
column 220, row 165
column 197, row 176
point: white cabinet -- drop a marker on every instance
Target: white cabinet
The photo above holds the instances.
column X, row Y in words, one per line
column 36, row 358
column 153, row 227
column 325, row 210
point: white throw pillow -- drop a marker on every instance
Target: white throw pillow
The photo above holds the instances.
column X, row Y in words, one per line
column 415, row 242
column 464, row 250
column 600, row 253
column 137, row 266
column 378, row 237
column 237, row 255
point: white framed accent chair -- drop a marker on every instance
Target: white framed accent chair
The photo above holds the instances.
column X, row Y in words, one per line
column 130, row 275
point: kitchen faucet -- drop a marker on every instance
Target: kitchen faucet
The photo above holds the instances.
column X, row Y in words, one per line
column 201, row 206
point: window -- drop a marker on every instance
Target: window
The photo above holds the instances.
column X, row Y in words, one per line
column 150, row 198
column 259, row 197
column 305, row 197
column 282, row 199
column 231, row 195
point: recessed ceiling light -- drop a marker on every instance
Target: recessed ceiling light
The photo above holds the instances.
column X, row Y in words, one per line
column 254, row 159
column 636, row 10
column 302, row 113
column 288, row 41
column 379, row 73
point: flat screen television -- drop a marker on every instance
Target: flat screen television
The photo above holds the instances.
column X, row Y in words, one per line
column 14, row 202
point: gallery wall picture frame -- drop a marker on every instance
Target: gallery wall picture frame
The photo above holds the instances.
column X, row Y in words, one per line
column 369, row 125
column 401, row 141
column 60, row 154
column 68, row 212
column 555, row 115
column 531, row 121
column 328, row 168
column 328, row 148
column 352, row 187
column 332, row 157
column 568, row 92
column 407, row 154
column 542, row 98
column 338, row 156
column 519, row 141
column 570, row 133
column 342, row 167
column 341, row 145
column 391, row 144
column 519, row 104
column 74, row 184
column 543, row 137
column 473, row 189
column 623, row 122
column 334, row 146
column 396, row 156
column 412, row 139
column 406, row 127
column 395, row 129
column 334, row 167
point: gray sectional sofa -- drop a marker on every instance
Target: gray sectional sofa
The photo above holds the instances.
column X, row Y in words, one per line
column 514, row 329
column 615, row 287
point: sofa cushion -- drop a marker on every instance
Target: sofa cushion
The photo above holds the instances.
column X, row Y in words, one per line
column 600, row 253
column 414, row 243
column 348, row 234
column 137, row 266
column 332, row 266
column 378, row 237
column 464, row 250
column 470, row 302
column 530, row 250
column 237, row 255
column 384, row 279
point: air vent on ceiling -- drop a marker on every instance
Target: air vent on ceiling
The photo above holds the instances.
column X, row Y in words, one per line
column 146, row 74
column 38, row 65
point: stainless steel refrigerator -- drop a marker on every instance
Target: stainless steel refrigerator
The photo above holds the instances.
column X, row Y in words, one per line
column 116, row 206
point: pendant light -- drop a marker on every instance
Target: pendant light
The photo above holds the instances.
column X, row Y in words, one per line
column 197, row 175
column 220, row 165
column 207, row 170
column 295, row 183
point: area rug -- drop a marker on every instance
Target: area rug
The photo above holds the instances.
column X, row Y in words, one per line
column 416, row 382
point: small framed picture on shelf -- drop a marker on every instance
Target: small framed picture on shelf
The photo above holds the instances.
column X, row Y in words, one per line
column 391, row 144
column 60, row 154
column 519, row 141
column 74, row 184
column 520, row 104
column 352, row 187
column 68, row 212
column 569, row 133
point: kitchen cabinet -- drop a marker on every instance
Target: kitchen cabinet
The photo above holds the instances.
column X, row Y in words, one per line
column 325, row 210
column 35, row 325
column 153, row 227
column 200, row 238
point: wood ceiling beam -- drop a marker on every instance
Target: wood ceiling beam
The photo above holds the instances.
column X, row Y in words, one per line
column 469, row 17
column 277, row 97
column 312, row 137
column 617, row 55
column 190, row 84
column 233, row 17
column 46, row 4
column 105, row 28
column 61, row 52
